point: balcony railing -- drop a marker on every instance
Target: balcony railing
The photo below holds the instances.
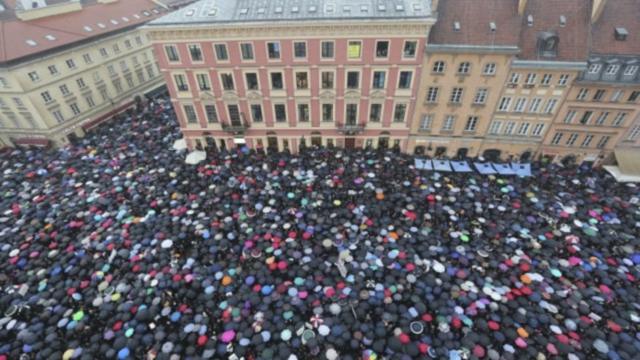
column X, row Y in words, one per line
column 235, row 129
column 350, row 129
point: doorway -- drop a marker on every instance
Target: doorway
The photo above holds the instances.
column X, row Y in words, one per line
column 440, row 151
column 383, row 143
column 211, row 144
column 492, row 155
column 316, row 141
column 419, row 150
column 462, row 153
column 349, row 143
column 272, row 143
column 526, row 156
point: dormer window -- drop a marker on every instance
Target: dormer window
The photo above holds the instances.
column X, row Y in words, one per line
column 621, row 34
column 563, row 20
column 594, row 68
column 548, row 44
column 456, row 26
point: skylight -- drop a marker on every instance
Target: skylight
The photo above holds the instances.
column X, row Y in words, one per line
column 102, row 26
column 313, row 9
column 136, row 16
column 279, row 10
column 125, row 19
column 88, row 29
column 31, row 43
column 261, row 10
column 244, row 11
column 382, row 7
column 212, row 12
column 295, row 9
column 191, row 12
column 50, row 37
column 114, row 22
column 399, row 7
column 346, row 8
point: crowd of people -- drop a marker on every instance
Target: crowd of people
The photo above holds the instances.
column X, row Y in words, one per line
column 114, row 248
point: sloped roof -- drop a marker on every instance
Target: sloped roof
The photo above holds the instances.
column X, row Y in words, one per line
column 617, row 14
column 20, row 39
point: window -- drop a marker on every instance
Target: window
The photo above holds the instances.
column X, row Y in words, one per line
column 520, row 105
column 375, row 113
column 203, row 82
column 379, row 79
column 34, row 76
column 300, row 49
column 234, row 114
column 472, row 123
column 617, row 95
column 537, row 130
column 123, row 65
column 129, row 79
column 18, row 102
column 303, row 112
column 281, row 112
column 563, row 80
column 551, row 105
column 634, row 96
column 572, row 139
column 508, row 129
column 505, row 102
column 515, row 78
column 556, row 138
column 81, row 83
column 426, row 122
column 172, row 53
column 90, row 101
column 619, row 119
column 221, row 52
column 353, row 80
column 598, row 95
column 181, row 83
column 246, row 50
column 71, row 64
column 523, row 130
column 127, row 44
column 602, row 118
column 273, row 50
column 195, row 52
column 531, row 78
column 3, row 83
column 46, row 97
column 96, row 76
column 438, row 67
column 568, row 119
column 594, row 68
column 587, row 140
column 603, row 141
column 634, row 133
column 399, row 112
column 382, row 49
column 116, row 84
column 354, row 49
column 190, row 113
column 535, row 105
column 104, row 94
column 116, row 48
column 256, row 112
column 352, row 114
column 327, row 49
column 448, row 123
column 481, row 96
column 252, row 81
column 327, row 112
column 432, row 94
column 494, row 128
column 138, row 40
column 464, row 67
column 276, row 81
column 112, row 70
column 58, row 116
column 582, row 94
column 64, row 90
column 227, row 81
column 612, row 69
column 53, row 70
column 87, row 58
column 150, row 71
column 630, row 70
column 489, row 69
column 405, row 79
column 302, row 80
column 546, row 79
column 410, row 49
column 74, row 108
column 456, row 95
column 211, row 113
column 327, row 79
column 171, row 50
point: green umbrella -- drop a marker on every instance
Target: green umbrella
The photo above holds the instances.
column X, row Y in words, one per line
column 77, row 316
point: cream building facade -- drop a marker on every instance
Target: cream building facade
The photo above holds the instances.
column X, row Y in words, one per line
column 72, row 66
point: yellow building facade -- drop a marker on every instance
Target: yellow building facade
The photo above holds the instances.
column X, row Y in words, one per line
column 56, row 88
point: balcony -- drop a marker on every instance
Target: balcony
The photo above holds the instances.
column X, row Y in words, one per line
column 350, row 129
column 235, row 129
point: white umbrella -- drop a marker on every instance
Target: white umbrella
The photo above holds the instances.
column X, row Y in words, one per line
column 195, row 157
column 180, row 144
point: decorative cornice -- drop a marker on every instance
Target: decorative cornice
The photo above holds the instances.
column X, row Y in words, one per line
column 549, row 64
column 474, row 49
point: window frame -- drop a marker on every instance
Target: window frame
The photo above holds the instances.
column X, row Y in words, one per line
column 373, row 79
column 246, row 80
column 415, row 50
column 408, row 86
column 380, row 113
column 242, row 47
column 352, row 43
column 222, row 75
column 438, row 67
column 306, row 50
column 388, row 50
column 104, row 52
column 333, row 50
column 224, row 50
column 199, row 49
column 404, row 106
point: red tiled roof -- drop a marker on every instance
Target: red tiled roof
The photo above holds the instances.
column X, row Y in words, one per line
column 573, row 42
column 617, row 13
column 474, row 19
column 68, row 28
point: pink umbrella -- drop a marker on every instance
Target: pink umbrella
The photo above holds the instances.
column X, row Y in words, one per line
column 227, row 336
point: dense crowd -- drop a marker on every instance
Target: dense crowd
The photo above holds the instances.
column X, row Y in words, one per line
column 114, row 248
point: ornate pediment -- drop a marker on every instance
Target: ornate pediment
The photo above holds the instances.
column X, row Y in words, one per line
column 207, row 96
column 352, row 94
column 378, row 94
column 254, row 95
column 327, row 95
column 229, row 96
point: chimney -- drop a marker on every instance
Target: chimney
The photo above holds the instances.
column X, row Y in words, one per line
column 522, row 4
column 598, row 6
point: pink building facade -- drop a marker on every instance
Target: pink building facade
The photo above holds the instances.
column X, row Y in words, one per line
column 281, row 84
